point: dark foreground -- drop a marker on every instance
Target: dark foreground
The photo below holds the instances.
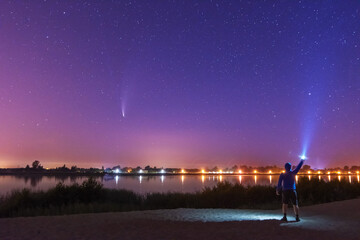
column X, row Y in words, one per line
column 92, row 197
column 337, row 220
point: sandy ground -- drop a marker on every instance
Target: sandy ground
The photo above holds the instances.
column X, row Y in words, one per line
column 337, row 220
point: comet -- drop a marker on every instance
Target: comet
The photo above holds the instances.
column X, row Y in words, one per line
column 123, row 104
column 123, row 109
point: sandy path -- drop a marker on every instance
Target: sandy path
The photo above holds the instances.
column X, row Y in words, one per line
column 338, row 220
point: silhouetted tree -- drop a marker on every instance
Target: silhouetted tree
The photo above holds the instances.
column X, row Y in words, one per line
column 36, row 165
column 234, row 168
column 355, row 168
column 116, row 167
column 215, row 169
column 306, row 167
column 244, row 168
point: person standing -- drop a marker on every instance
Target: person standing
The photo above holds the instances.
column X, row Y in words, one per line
column 287, row 187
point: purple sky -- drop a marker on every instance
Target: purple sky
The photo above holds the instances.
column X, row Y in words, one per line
column 200, row 83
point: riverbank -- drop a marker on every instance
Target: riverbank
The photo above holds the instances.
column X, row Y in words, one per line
column 92, row 197
column 330, row 221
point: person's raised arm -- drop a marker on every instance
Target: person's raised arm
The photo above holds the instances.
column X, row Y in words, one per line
column 298, row 167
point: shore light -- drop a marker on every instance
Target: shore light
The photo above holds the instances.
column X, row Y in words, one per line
column 283, row 171
column 357, row 172
column 220, row 171
column 309, row 172
column 182, row 171
column 202, row 171
column 319, row 172
column 270, row 171
column 255, row 171
column 162, row 171
column 349, row 172
column 240, row 171
column 328, row 172
column 338, row 172
column 140, row 171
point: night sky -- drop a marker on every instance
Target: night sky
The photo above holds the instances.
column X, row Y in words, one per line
column 179, row 83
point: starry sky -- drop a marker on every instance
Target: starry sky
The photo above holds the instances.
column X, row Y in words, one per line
column 179, row 83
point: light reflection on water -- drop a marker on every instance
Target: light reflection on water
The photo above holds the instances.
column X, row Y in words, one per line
column 145, row 184
column 116, row 179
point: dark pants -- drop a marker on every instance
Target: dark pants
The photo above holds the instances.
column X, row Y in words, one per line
column 289, row 196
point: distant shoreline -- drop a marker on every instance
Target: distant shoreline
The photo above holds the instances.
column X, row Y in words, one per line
column 162, row 174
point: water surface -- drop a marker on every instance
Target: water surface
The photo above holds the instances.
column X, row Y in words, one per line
column 147, row 184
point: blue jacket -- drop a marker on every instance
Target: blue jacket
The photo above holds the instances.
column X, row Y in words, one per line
column 287, row 179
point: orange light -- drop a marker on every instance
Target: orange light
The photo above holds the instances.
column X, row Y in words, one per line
column 283, row 171
column 338, row 172
column 309, row 172
column 182, row 171
column 202, row 171
column 328, row 172
column 357, row 172
column 220, row 171
column 255, row 171
column 319, row 172
column 349, row 172
column 270, row 171
column 240, row 171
